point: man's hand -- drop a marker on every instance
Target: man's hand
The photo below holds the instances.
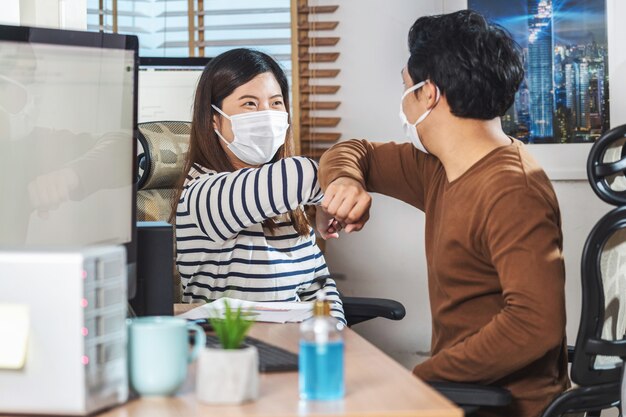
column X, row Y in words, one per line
column 50, row 190
column 326, row 225
column 348, row 202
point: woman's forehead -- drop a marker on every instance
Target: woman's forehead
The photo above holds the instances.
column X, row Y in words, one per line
column 263, row 85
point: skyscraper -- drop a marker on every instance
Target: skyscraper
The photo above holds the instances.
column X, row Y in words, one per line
column 540, row 65
column 571, row 85
column 577, row 94
column 584, row 121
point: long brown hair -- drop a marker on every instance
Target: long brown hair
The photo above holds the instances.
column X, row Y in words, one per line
column 222, row 75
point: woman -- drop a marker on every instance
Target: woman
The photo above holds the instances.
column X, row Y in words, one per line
column 241, row 231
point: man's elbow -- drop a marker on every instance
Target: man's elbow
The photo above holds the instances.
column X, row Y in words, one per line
column 322, row 172
column 553, row 341
column 548, row 335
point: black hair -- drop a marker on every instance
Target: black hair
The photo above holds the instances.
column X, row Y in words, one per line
column 475, row 63
column 236, row 67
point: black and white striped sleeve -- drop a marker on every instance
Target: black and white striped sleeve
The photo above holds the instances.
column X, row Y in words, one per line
column 225, row 203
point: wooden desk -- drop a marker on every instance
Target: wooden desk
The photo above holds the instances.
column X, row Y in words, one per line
column 376, row 386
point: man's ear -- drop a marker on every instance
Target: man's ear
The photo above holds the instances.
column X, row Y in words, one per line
column 430, row 93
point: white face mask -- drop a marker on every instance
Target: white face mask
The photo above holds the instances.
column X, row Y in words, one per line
column 257, row 135
column 410, row 129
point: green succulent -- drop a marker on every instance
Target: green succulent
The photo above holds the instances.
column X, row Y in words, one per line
column 231, row 329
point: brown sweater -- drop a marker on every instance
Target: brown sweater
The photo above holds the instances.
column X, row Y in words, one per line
column 495, row 267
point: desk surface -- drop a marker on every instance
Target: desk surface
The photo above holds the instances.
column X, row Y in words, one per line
column 376, row 385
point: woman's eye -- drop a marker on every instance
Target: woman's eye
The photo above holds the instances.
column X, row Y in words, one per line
column 278, row 103
column 249, row 104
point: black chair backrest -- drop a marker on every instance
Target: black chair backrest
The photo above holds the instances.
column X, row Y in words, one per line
column 606, row 166
column 601, row 334
column 601, row 339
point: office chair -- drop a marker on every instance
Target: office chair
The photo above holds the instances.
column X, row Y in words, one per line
column 162, row 150
column 600, row 347
column 598, row 355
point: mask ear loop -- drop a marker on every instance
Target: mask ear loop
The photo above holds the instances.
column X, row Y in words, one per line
column 423, row 116
column 217, row 109
column 217, row 132
column 412, row 89
column 219, row 135
column 406, row 93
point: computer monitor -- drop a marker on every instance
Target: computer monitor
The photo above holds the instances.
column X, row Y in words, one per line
column 167, row 87
column 68, row 114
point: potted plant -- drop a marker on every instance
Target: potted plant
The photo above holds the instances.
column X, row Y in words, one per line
column 228, row 373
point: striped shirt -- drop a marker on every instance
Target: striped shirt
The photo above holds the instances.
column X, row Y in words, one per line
column 223, row 250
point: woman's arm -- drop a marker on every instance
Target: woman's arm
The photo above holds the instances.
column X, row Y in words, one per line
column 223, row 204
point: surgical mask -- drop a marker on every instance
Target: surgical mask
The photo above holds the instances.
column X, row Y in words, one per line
column 410, row 130
column 20, row 123
column 257, row 135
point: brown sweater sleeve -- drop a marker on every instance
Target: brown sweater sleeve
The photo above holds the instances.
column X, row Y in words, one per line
column 396, row 170
column 522, row 236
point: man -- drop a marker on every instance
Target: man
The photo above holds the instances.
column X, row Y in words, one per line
column 493, row 228
column 42, row 167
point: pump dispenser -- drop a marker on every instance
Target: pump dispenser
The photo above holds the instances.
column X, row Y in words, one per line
column 321, row 367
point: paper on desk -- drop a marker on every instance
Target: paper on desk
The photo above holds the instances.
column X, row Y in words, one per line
column 14, row 328
column 268, row 311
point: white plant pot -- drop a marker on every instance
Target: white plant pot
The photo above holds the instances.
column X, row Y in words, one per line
column 227, row 376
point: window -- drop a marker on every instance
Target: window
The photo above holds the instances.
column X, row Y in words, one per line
column 164, row 29
column 206, row 28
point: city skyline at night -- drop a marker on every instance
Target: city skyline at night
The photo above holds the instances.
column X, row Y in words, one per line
column 564, row 96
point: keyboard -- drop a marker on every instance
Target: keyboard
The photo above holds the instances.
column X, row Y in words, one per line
column 271, row 358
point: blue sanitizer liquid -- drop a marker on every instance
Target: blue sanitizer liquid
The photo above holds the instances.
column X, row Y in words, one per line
column 321, row 370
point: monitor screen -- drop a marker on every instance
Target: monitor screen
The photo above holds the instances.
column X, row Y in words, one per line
column 167, row 87
column 67, row 119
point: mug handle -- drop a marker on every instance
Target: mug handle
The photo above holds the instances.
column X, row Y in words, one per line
column 199, row 340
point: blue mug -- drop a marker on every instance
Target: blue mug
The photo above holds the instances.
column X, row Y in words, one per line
column 159, row 354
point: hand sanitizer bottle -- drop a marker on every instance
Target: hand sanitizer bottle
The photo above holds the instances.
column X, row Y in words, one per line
column 321, row 354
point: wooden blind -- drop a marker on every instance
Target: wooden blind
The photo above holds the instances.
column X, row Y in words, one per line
column 315, row 85
column 215, row 26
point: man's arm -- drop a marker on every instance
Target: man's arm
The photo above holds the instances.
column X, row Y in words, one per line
column 79, row 166
column 350, row 168
column 523, row 237
column 393, row 169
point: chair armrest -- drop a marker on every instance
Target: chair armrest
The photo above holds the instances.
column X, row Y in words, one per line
column 473, row 394
column 606, row 347
column 359, row 309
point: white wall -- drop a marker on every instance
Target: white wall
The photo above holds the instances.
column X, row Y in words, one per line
column 63, row 14
column 10, row 12
column 387, row 258
column 40, row 13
